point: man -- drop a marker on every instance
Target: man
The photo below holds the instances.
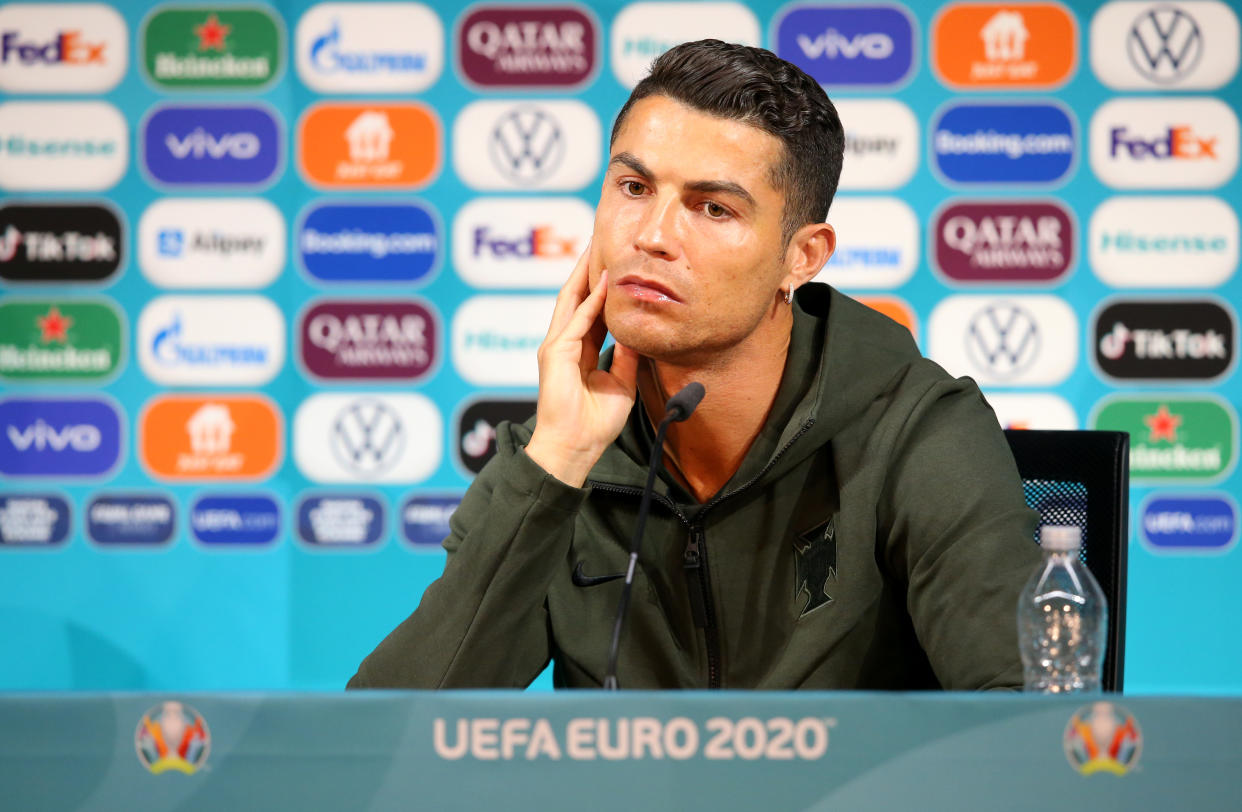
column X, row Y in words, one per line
column 837, row 513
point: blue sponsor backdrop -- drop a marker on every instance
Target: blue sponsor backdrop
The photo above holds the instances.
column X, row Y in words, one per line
column 235, row 610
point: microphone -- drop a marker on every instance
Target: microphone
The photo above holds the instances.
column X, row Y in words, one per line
column 679, row 407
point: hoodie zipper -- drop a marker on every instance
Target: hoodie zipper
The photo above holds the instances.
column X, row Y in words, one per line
column 694, row 558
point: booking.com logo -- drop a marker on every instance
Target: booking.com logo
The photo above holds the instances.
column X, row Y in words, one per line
column 1004, row 143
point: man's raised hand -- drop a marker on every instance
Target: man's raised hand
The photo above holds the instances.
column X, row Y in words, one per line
column 581, row 409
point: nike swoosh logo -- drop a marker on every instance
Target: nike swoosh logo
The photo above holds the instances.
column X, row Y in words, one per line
column 582, row 579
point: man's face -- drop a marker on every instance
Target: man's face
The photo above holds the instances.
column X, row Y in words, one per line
column 689, row 228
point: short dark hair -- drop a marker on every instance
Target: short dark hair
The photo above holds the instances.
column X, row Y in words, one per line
column 757, row 87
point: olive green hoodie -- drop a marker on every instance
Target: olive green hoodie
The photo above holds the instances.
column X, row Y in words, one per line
column 874, row 537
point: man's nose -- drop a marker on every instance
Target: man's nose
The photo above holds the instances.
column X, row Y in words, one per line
column 658, row 230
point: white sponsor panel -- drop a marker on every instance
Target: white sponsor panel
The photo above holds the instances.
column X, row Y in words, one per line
column 877, row 243
column 496, row 339
column 1033, row 411
column 211, row 340
column 1162, row 45
column 211, row 242
column 520, row 242
column 61, row 48
column 62, row 146
column 881, row 143
column 1163, row 143
column 643, row 31
column 1164, row 242
column 1005, row 340
column 523, row 145
column 369, row 47
column 368, row 437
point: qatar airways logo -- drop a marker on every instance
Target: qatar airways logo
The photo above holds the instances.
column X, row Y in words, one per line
column 528, row 46
column 1003, row 241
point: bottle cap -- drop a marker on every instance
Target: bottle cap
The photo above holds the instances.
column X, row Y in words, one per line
column 1060, row 538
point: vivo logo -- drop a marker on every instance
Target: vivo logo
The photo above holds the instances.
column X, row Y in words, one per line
column 43, row 437
column 832, row 44
column 202, row 144
column 849, row 45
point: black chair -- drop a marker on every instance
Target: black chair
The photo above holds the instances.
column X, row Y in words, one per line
column 1083, row 478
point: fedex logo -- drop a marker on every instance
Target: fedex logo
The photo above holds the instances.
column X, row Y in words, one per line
column 67, row 47
column 527, row 242
column 1177, row 143
column 541, row 241
column 1164, row 143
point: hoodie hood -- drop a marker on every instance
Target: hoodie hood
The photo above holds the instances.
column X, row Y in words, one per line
column 842, row 356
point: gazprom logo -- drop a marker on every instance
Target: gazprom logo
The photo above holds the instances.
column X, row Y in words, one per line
column 843, row 46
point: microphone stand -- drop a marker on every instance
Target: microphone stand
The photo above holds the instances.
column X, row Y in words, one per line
column 679, row 407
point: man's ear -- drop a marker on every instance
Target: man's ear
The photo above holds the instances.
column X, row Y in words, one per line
column 807, row 253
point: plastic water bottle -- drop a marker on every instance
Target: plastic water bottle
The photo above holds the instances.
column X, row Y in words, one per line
column 1062, row 619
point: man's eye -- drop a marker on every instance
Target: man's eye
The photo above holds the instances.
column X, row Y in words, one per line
column 715, row 210
column 634, row 187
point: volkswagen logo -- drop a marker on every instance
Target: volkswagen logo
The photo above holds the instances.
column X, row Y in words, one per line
column 526, row 144
column 367, row 437
column 1165, row 44
column 1003, row 339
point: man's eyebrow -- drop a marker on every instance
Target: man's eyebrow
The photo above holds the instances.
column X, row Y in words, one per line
column 727, row 187
column 630, row 160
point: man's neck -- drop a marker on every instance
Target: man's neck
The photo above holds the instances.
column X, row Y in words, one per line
column 705, row 451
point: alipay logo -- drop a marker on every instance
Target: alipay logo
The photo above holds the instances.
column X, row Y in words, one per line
column 495, row 339
column 211, row 243
column 395, row 438
column 1162, row 143
column 62, row 438
column 211, row 340
column 1163, row 45
column 62, row 146
column 881, row 143
column 212, row 146
column 370, row 242
column 61, row 48
column 1030, row 143
column 849, row 46
column 369, row 47
column 551, row 145
column 1013, row 341
column 1164, row 242
column 520, row 242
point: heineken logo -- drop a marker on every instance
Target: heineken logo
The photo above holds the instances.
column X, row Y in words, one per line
column 58, row 340
column 203, row 47
column 1190, row 439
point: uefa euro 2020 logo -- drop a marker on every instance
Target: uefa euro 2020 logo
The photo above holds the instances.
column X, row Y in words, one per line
column 1103, row 737
column 172, row 736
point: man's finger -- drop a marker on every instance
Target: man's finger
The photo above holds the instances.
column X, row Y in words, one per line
column 587, row 312
column 625, row 366
column 571, row 294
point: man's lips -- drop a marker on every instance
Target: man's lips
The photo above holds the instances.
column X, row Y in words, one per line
column 646, row 290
